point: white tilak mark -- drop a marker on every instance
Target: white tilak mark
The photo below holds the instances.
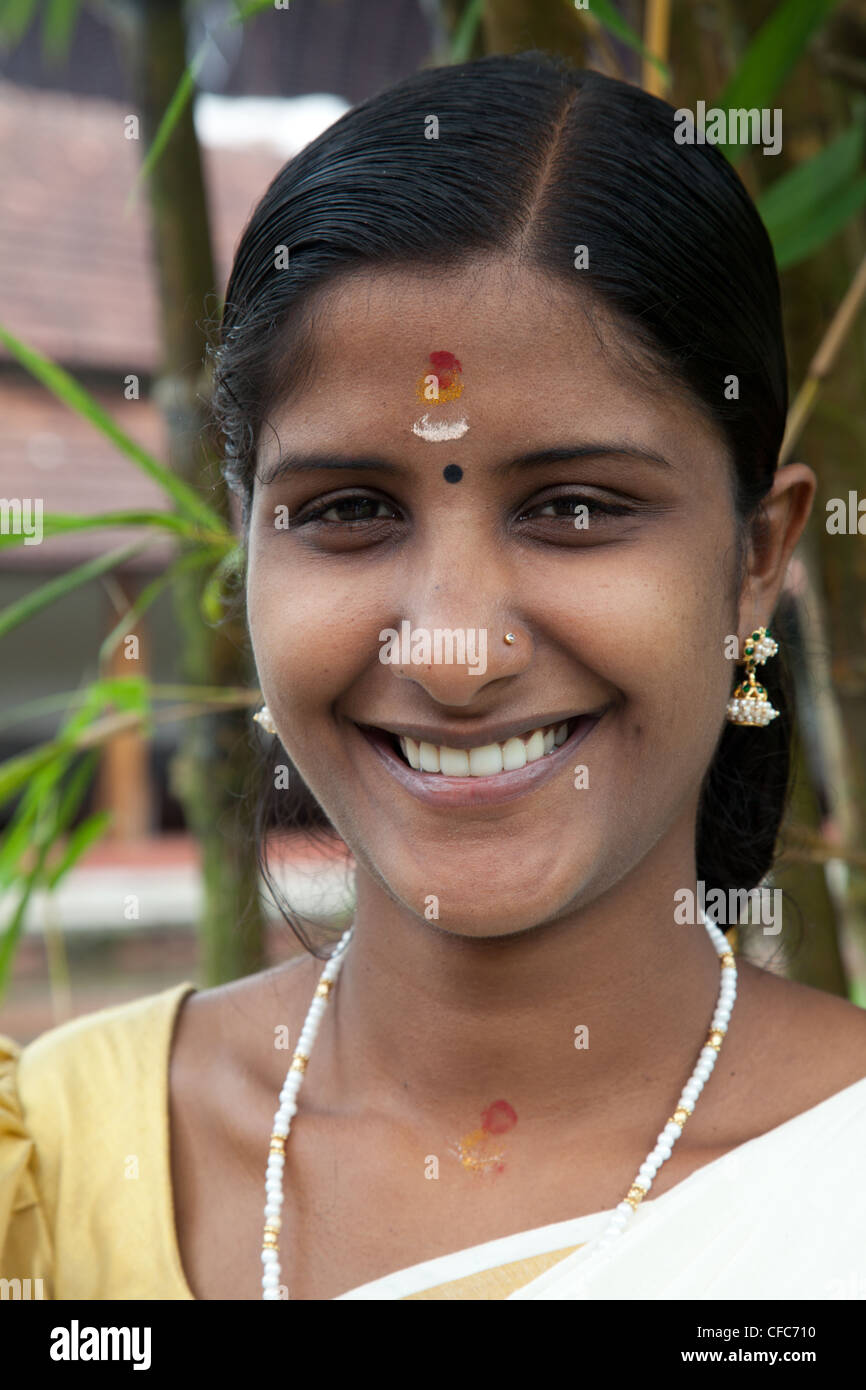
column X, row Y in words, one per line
column 437, row 430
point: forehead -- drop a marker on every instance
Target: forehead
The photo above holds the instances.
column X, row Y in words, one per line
column 536, row 355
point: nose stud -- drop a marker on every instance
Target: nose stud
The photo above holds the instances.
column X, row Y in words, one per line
column 510, row 638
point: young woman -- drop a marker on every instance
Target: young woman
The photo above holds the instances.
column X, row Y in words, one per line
column 503, row 385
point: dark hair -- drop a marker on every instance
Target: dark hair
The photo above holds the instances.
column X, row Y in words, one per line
column 533, row 158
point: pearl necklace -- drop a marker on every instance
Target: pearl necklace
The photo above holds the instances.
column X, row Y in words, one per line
column 641, row 1185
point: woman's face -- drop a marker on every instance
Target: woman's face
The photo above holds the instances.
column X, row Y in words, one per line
column 622, row 616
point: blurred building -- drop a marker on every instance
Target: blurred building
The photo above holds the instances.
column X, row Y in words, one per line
column 76, row 283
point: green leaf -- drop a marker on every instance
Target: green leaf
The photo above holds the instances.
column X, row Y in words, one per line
column 16, row 772
column 15, row 17
column 129, row 694
column 9, row 938
column 775, row 49
column 171, row 116
column 465, row 30
column 610, row 18
column 245, row 12
column 830, row 218
column 17, row 838
column 59, row 524
column 57, row 26
column 794, row 198
column 192, row 560
column 82, row 837
column 228, row 570
column 68, row 390
column 27, row 828
column 49, row 593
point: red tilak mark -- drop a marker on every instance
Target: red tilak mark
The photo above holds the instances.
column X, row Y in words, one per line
column 498, row 1117
column 445, row 364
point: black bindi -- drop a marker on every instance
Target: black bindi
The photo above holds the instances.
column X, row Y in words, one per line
column 452, row 473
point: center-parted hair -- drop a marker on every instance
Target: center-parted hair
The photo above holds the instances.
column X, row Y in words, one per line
column 533, row 159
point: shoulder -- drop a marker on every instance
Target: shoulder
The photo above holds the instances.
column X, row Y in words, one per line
column 77, row 1058
column 75, row 1104
column 94, row 1077
column 807, row 1044
column 219, row 1031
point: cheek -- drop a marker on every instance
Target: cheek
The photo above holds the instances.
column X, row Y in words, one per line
column 653, row 623
column 311, row 634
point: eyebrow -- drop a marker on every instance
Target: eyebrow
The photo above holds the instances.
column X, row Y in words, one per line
column 304, row 463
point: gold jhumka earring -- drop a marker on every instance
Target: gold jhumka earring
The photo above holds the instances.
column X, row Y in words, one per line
column 750, row 704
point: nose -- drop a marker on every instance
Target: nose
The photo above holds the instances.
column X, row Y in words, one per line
column 457, row 605
column 454, row 663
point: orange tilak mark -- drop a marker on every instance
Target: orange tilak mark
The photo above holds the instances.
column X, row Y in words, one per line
column 447, row 371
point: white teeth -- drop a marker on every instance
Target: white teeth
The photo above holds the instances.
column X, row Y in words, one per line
column 485, row 761
column 513, row 754
column 454, row 762
column 535, row 746
column 429, row 755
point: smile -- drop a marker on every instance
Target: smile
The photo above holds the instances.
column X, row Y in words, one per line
column 487, row 760
column 492, row 772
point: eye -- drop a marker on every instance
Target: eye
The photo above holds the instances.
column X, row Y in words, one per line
column 361, row 509
column 565, row 508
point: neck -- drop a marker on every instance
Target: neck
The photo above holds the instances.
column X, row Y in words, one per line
column 428, row 1024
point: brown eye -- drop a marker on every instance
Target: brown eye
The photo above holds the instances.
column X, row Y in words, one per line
column 566, row 507
column 356, row 507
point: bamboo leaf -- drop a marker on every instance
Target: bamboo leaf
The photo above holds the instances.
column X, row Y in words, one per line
column 171, row 116
column 128, row 693
column 465, row 31
column 49, row 593
column 245, row 12
column 149, row 594
column 72, row 394
column 59, row 524
column 17, row 837
column 76, row 789
column 57, row 26
column 611, row 20
column 228, row 570
column 82, row 837
column 27, row 827
column 773, row 52
column 16, row 772
column 9, row 938
column 830, row 218
column 15, row 17
column 793, row 199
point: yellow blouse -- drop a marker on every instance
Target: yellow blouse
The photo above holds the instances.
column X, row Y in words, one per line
column 85, row 1172
column 87, row 1210
column 86, row 1202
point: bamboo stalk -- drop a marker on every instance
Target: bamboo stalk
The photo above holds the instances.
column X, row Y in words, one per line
column 657, row 38
column 823, row 361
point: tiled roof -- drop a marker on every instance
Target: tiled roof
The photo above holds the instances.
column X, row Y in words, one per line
column 76, row 274
column 78, row 285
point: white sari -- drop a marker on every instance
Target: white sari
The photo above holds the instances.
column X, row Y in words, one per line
column 782, row 1216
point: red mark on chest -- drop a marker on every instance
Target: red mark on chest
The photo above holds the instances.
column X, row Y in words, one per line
column 498, row 1118
column 475, row 1150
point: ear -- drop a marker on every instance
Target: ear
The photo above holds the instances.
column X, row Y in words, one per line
column 777, row 527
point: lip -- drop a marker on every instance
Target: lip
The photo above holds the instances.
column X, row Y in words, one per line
column 477, row 738
column 436, row 789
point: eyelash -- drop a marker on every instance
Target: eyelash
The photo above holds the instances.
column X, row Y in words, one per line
column 594, row 505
